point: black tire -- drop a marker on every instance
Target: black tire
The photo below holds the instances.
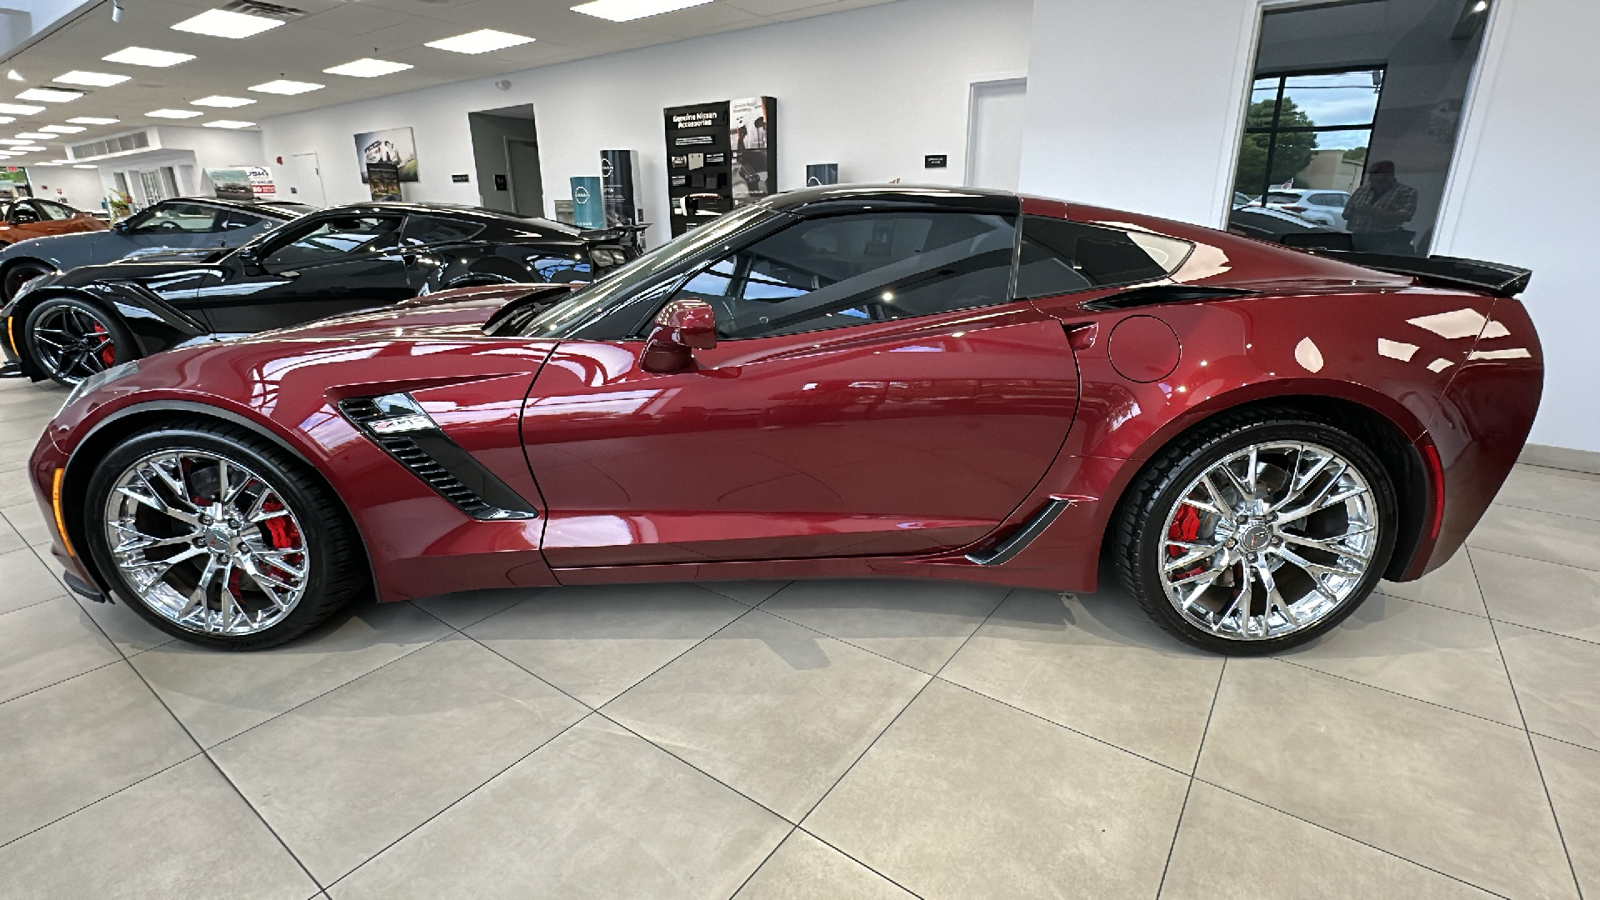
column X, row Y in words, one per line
column 20, row 274
column 61, row 339
column 1139, row 541
column 338, row 570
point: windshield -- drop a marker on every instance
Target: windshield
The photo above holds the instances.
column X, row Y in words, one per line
column 600, row 295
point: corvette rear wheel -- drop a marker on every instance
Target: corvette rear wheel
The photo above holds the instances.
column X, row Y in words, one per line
column 19, row 275
column 220, row 538
column 71, row 339
column 1255, row 536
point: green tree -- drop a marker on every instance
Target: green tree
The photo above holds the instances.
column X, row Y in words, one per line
column 1293, row 152
column 1357, row 155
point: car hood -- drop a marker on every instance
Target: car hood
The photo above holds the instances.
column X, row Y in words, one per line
column 457, row 319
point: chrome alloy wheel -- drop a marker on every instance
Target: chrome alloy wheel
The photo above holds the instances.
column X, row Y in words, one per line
column 73, row 343
column 1269, row 541
column 206, row 543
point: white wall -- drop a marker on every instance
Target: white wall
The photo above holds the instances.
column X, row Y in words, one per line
column 81, row 187
column 874, row 90
column 1143, row 111
column 1528, row 152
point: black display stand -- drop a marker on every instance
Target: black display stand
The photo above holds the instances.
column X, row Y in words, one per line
column 719, row 156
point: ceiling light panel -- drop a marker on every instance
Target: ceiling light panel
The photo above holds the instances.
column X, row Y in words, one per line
column 7, row 120
column 174, row 113
column 91, row 120
column 91, row 79
column 14, row 142
column 37, row 136
column 222, row 23
column 144, row 56
column 229, row 123
column 368, row 68
column 221, row 102
column 628, row 10
column 49, row 95
column 20, row 109
column 485, row 40
column 63, row 129
column 78, row 166
column 286, row 87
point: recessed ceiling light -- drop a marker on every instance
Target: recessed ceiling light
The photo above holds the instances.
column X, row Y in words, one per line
column 49, row 95
column 222, row 23
column 628, row 10
column 7, row 120
column 27, row 148
column 144, row 56
column 481, row 41
column 285, row 86
column 92, row 79
column 37, row 136
column 174, row 113
column 77, row 166
column 368, row 68
column 12, row 142
column 20, row 109
column 221, row 101
column 63, row 129
column 229, row 123
column 90, row 120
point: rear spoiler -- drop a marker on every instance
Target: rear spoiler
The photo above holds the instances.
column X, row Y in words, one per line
column 1443, row 271
column 613, row 233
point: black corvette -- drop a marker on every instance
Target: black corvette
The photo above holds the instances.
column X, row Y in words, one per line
column 71, row 325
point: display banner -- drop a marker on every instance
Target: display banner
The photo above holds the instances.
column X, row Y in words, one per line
column 719, row 155
column 261, row 184
column 230, row 184
column 383, row 181
column 822, row 174
column 619, row 179
column 588, row 203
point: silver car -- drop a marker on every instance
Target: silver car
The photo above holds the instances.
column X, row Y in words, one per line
column 185, row 224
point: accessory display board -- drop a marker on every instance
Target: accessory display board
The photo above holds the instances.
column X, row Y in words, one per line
column 719, row 155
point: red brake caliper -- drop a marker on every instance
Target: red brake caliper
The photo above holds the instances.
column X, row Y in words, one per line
column 108, row 353
column 281, row 531
column 1185, row 527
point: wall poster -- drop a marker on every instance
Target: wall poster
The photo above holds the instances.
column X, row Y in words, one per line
column 230, row 183
column 393, row 146
column 719, row 155
column 383, row 181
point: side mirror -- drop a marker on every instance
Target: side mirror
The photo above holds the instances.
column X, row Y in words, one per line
column 120, row 227
column 681, row 327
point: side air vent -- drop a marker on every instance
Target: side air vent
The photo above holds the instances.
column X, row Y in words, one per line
column 122, row 143
column 400, row 425
column 1157, row 294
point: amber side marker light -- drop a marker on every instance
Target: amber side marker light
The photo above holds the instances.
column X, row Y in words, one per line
column 55, row 507
column 11, row 334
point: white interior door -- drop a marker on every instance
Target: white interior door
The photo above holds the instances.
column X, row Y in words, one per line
column 994, row 133
column 305, row 181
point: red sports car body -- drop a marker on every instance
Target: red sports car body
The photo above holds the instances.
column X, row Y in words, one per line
column 1016, row 441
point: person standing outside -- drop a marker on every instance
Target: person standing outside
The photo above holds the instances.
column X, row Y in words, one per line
column 1378, row 211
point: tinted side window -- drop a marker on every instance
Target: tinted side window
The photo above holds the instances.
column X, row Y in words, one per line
column 233, row 220
column 175, row 217
column 54, row 210
column 423, row 230
column 1061, row 257
column 331, row 240
column 847, row 270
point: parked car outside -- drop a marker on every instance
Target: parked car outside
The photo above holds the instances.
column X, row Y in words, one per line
column 1321, row 207
column 189, row 223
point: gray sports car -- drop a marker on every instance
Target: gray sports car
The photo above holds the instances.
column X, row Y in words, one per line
column 168, row 224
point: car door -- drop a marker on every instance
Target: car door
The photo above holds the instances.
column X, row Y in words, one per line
column 170, row 224
column 23, row 221
column 875, row 392
column 318, row 267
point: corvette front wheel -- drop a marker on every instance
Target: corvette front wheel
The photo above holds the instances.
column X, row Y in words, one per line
column 220, row 538
column 1258, row 533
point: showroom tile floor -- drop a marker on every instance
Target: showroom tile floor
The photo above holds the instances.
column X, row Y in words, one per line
column 823, row 740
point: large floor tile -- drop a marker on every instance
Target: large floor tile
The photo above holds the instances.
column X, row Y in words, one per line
column 29, row 522
column 1421, row 651
column 1446, row 790
column 345, row 775
column 10, row 540
column 1573, row 776
column 1539, row 594
column 1096, row 667
column 25, row 580
column 1558, row 681
column 968, row 798
column 596, row 813
column 217, row 695
column 751, row 592
column 804, row 868
column 1552, row 490
column 919, row 623
column 471, row 607
column 596, row 642
column 1207, row 863
column 47, row 643
column 182, row 833
column 1540, row 535
column 1452, row 586
column 67, row 746
column 772, row 709
column 15, row 491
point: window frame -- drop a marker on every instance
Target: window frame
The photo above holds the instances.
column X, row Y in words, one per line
column 1016, row 266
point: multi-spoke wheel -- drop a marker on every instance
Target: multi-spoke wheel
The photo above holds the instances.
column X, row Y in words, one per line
column 217, row 537
column 1258, row 536
column 71, row 339
column 18, row 275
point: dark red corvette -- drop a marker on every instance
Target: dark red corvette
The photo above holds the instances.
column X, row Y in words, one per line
column 896, row 381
